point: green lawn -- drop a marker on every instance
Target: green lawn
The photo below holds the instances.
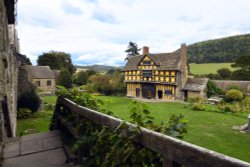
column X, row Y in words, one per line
column 207, row 129
column 40, row 121
column 207, row 68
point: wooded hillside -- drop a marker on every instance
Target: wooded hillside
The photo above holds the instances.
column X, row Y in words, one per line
column 219, row 50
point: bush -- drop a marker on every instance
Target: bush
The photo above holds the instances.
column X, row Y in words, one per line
column 195, row 99
column 29, row 100
column 212, row 89
column 245, row 104
column 23, row 113
column 233, row 95
column 49, row 106
column 234, row 107
column 198, row 106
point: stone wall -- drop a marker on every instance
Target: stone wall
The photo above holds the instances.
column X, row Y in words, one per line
column 44, row 86
column 8, row 75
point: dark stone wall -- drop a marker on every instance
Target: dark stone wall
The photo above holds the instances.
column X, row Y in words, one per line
column 8, row 74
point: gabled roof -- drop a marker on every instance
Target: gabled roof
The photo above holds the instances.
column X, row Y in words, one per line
column 40, row 72
column 196, row 84
column 164, row 61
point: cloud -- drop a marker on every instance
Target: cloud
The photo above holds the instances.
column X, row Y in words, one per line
column 68, row 8
column 97, row 32
column 103, row 15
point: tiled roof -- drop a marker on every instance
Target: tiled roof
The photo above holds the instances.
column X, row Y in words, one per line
column 40, row 72
column 196, row 84
column 224, row 84
column 164, row 61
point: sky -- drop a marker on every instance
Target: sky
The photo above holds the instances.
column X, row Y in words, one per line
column 98, row 31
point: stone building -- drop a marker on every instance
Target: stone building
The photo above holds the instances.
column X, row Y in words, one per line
column 160, row 76
column 195, row 87
column 9, row 48
column 43, row 77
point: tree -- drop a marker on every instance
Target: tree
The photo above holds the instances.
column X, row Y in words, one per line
column 56, row 61
column 225, row 73
column 81, row 78
column 64, row 79
column 132, row 50
column 243, row 65
column 29, row 100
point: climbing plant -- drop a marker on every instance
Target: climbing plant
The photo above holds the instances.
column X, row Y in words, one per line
column 101, row 146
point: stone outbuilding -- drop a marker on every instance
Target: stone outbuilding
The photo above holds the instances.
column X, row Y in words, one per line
column 195, row 87
column 43, row 77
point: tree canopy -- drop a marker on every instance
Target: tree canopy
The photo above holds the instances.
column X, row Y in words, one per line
column 243, row 65
column 132, row 50
column 56, row 61
column 219, row 50
column 64, row 79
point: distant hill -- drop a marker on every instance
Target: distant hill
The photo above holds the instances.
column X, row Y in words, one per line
column 99, row 68
column 219, row 50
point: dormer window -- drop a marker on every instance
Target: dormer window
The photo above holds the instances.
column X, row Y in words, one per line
column 146, row 63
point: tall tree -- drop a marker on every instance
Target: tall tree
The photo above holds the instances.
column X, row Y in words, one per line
column 243, row 65
column 56, row 61
column 225, row 73
column 64, row 79
column 132, row 50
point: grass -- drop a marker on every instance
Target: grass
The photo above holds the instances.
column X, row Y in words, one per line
column 207, row 68
column 211, row 130
column 39, row 122
column 206, row 129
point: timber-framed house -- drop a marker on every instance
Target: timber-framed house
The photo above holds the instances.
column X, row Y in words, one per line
column 158, row 76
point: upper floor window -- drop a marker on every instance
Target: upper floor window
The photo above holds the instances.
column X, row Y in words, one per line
column 146, row 63
column 147, row 73
column 49, row 83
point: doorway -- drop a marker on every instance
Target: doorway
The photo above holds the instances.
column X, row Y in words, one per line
column 137, row 92
column 160, row 94
column 148, row 91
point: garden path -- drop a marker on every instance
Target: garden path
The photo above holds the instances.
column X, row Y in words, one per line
column 36, row 150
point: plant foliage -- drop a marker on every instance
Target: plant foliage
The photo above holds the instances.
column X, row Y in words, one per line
column 101, row 146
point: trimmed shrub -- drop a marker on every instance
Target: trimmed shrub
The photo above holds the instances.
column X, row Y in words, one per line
column 233, row 95
column 198, row 106
column 29, row 100
column 245, row 104
column 234, row 107
column 195, row 99
column 23, row 113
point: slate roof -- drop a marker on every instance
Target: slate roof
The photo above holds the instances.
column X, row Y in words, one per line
column 164, row 61
column 224, row 84
column 196, row 84
column 40, row 72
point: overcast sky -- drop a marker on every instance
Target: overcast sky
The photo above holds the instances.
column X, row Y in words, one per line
column 98, row 31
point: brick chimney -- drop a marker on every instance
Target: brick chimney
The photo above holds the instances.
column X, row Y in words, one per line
column 184, row 67
column 145, row 50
